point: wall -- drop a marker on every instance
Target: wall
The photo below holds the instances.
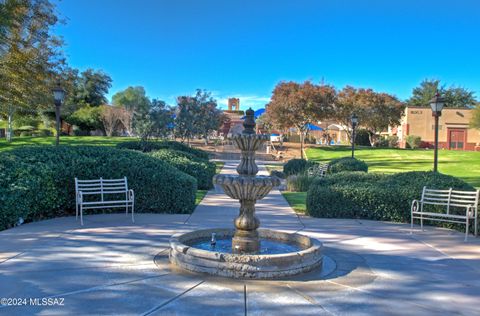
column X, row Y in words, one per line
column 453, row 126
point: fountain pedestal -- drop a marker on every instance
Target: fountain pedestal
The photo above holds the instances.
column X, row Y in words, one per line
column 246, row 238
column 247, row 188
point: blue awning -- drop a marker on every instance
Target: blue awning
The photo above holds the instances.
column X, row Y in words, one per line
column 259, row 112
column 312, row 127
column 256, row 114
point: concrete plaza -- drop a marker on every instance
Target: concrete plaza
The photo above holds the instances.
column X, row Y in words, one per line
column 111, row 266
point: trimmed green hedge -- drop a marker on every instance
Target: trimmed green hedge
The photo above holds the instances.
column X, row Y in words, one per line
column 347, row 164
column 374, row 196
column 157, row 145
column 200, row 169
column 38, row 182
column 300, row 166
column 297, row 166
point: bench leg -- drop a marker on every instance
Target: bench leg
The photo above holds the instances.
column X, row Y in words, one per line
column 421, row 223
column 133, row 206
column 411, row 224
column 466, row 230
column 76, row 211
column 476, row 226
column 81, row 215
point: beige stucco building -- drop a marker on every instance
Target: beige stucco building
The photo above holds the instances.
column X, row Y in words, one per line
column 454, row 132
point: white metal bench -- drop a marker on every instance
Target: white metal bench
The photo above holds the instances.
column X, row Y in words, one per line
column 319, row 170
column 448, row 198
column 103, row 188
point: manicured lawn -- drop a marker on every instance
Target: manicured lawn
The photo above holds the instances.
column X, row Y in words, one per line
column 296, row 200
column 64, row 140
column 199, row 196
column 462, row 164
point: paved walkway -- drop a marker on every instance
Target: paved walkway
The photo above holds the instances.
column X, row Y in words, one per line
column 113, row 267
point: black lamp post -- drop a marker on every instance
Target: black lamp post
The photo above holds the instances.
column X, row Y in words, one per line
column 437, row 105
column 58, row 96
column 354, row 121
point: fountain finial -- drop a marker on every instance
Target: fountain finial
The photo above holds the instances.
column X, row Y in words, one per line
column 249, row 123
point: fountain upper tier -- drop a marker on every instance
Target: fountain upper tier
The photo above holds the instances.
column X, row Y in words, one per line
column 246, row 187
column 248, row 144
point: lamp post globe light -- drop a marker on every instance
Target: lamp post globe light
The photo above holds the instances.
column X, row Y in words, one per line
column 354, row 121
column 437, row 106
column 58, row 97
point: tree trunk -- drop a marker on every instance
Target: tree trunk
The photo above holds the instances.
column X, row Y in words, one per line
column 301, row 144
column 9, row 134
column 371, row 138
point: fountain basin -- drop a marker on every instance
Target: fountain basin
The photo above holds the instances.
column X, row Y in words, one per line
column 247, row 266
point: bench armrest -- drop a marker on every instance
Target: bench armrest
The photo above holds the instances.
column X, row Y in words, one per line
column 415, row 205
column 131, row 195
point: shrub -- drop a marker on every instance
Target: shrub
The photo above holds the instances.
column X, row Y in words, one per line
column 347, row 164
column 373, row 196
column 157, row 145
column 43, row 132
column 87, row 118
column 426, row 145
column 381, row 143
column 413, row 141
column 297, row 166
column 299, row 183
column 361, row 138
column 38, row 182
column 200, row 169
column 278, row 174
column 392, row 141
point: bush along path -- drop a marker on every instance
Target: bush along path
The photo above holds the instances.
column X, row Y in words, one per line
column 374, row 196
column 38, row 182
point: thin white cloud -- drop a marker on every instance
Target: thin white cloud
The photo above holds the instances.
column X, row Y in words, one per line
column 246, row 101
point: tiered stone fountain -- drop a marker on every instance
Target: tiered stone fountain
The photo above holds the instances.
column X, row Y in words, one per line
column 246, row 252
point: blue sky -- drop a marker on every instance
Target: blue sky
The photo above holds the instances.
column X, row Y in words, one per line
column 242, row 48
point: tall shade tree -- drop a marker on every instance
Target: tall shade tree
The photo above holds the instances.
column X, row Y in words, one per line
column 135, row 101
column 455, row 97
column 157, row 122
column 92, row 88
column 298, row 104
column 377, row 111
column 346, row 105
column 162, row 116
column 197, row 115
column 30, row 57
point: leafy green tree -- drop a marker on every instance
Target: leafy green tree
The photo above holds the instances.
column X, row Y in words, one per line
column 376, row 111
column 92, row 88
column 87, row 118
column 184, row 118
column 162, row 116
column 135, row 102
column 133, row 99
column 298, row 104
column 197, row 115
column 455, row 97
column 30, row 57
